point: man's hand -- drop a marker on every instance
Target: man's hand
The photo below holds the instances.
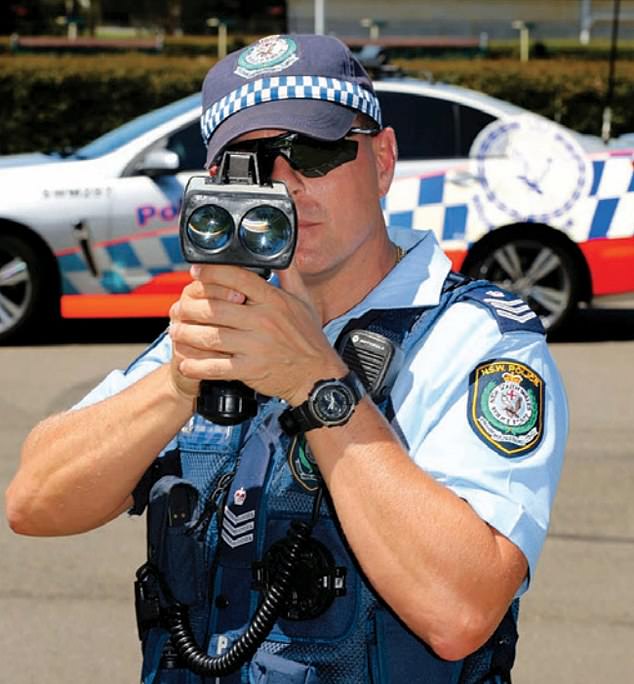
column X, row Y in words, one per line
column 230, row 324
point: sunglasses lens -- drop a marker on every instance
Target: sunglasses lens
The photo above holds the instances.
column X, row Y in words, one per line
column 314, row 158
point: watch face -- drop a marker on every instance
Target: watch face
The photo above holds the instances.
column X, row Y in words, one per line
column 332, row 403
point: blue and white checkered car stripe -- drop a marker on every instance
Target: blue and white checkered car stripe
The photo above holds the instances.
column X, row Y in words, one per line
column 276, row 88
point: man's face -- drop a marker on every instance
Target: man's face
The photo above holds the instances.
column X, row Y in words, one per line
column 339, row 214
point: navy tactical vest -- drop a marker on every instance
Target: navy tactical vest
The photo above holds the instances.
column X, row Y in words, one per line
column 225, row 497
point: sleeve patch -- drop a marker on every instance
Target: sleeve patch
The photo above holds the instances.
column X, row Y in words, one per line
column 506, row 406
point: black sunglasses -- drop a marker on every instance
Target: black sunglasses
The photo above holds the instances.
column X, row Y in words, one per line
column 311, row 157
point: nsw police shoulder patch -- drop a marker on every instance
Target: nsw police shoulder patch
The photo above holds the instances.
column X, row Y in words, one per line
column 506, row 406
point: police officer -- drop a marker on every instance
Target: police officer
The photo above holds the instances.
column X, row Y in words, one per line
column 419, row 515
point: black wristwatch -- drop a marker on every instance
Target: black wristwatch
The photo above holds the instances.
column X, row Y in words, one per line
column 330, row 403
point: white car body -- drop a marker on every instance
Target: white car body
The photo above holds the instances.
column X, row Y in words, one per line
column 106, row 230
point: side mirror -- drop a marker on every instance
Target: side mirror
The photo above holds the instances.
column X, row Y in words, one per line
column 158, row 163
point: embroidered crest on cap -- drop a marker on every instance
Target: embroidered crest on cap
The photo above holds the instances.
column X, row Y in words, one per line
column 273, row 53
column 303, row 465
column 506, row 403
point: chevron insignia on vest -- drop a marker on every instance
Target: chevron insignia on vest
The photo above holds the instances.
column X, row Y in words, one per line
column 237, row 530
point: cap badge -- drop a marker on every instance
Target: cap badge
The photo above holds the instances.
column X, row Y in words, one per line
column 240, row 496
column 270, row 54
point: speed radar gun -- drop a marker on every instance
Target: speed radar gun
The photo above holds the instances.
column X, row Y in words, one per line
column 236, row 217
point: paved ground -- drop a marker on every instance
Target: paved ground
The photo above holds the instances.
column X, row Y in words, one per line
column 66, row 612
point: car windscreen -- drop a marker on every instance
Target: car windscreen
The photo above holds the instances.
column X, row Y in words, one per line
column 132, row 129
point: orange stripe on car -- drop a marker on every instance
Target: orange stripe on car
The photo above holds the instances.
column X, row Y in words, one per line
column 147, row 301
column 610, row 262
column 116, row 305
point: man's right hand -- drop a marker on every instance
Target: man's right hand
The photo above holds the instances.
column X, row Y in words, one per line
column 215, row 296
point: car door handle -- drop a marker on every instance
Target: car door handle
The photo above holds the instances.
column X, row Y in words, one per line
column 463, row 178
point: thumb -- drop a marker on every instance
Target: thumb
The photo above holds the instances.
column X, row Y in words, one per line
column 291, row 281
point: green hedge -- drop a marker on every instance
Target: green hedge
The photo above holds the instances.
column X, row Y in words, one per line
column 57, row 103
column 49, row 102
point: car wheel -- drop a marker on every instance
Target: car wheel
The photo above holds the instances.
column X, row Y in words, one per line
column 540, row 271
column 21, row 288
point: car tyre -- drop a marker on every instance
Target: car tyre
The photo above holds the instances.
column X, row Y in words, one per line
column 26, row 298
column 540, row 270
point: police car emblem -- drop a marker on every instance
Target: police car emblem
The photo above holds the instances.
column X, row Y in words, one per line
column 506, row 403
column 528, row 169
column 302, row 464
column 270, row 54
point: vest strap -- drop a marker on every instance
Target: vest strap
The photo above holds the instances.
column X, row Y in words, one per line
column 237, row 548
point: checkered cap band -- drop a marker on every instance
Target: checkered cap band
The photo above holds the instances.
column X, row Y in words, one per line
column 277, row 88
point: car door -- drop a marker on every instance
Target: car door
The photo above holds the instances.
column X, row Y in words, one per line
column 432, row 133
column 433, row 182
column 144, row 246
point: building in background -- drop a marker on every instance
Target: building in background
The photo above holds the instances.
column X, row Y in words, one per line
column 546, row 18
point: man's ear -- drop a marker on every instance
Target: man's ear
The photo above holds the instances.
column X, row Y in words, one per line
column 386, row 154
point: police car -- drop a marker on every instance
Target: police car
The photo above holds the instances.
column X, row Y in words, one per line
column 512, row 197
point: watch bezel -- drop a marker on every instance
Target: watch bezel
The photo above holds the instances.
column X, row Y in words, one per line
column 341, row 387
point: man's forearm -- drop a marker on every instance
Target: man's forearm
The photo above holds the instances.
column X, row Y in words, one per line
column 78, row 468
column 442, row 568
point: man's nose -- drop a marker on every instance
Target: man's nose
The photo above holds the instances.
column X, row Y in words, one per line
column 283, row 171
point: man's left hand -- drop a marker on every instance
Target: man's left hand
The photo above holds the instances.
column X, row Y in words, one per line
column 273, row 342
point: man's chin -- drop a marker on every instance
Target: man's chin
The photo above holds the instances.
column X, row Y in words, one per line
column 309, row 261
column 315, row 264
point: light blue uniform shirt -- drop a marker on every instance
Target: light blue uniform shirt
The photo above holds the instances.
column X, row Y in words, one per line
column 432, row 401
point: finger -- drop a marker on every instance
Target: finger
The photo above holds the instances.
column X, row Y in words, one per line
column 292, row 282
column 207, row 369
column 207, row 338
column 184, row 351
column 236, row 278
column 211, row 312
column 198, row 289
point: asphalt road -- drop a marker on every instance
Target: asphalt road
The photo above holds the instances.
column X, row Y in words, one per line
column 66, row 605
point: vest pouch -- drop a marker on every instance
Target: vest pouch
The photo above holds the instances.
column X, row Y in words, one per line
column 399, row 656
column 341, row 618
column 266, row 668
column 174, row 550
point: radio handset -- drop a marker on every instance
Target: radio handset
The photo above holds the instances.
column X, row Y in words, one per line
column 374, row 358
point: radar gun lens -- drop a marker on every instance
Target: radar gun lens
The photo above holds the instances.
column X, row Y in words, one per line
column 265, row 231
column 210, row 227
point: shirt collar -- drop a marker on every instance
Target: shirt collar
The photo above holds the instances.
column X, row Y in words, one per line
column 415, row 281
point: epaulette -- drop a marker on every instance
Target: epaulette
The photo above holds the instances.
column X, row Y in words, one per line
column 511, row 312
